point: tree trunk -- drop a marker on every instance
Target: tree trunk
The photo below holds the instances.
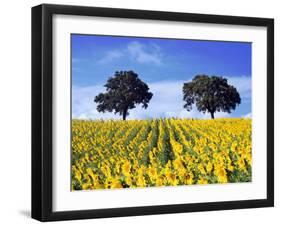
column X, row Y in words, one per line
column 125, row 114
column 212, row 115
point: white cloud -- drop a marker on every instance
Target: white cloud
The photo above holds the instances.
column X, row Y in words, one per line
column 145, row 54
column 110, row 56
column 76, row 60
column 76, row 69
column 243, row 85
column 249, row 115
column 83, row 105
column 166, row 102
column 136, row 51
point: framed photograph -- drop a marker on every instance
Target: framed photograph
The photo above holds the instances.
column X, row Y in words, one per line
column 145, row 112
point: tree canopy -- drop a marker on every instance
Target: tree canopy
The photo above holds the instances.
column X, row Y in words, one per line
column 123, row 92
column 210, row 94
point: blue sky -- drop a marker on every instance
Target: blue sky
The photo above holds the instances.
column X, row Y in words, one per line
column 164, row 64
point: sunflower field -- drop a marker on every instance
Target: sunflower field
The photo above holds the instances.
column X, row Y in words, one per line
column 160, row 152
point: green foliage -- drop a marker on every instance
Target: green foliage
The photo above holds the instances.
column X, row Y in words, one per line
column 210, row 94
column 123, row 92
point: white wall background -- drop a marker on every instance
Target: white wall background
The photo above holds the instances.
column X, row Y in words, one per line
column 15, row 113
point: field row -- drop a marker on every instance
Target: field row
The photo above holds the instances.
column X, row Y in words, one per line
column 160, row 152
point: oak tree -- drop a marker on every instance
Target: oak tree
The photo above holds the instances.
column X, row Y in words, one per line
column 123, row 92
column 210, row 94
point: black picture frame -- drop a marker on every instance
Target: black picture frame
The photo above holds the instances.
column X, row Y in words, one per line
column 42, row 111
